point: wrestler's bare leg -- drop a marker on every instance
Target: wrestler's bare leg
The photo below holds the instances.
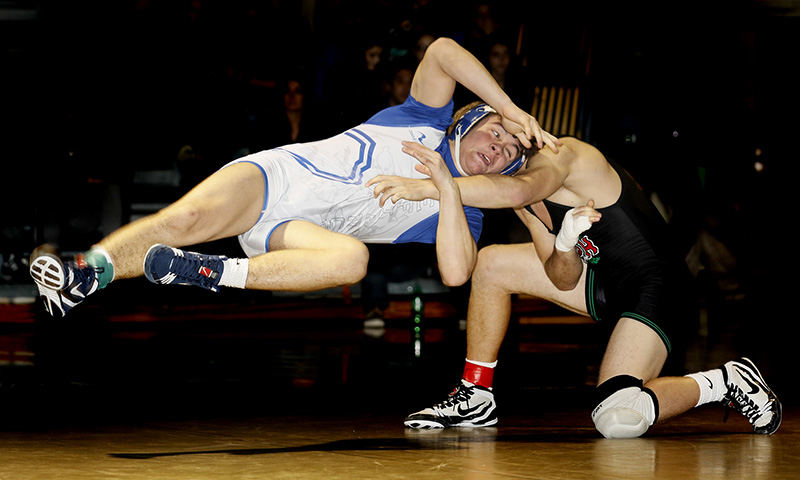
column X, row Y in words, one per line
column 503, row 270
column 635, row 349
column 303, row 256
column 224, row 205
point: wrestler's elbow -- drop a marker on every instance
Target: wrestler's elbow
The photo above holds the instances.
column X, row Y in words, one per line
column 520, row 196
column 441, row 45
column 454, row 281
column 564, row 285
column 456, row 276
column 561, row 279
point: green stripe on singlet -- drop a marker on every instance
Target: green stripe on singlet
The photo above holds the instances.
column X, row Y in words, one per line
column 652, row 325
column 590, row 294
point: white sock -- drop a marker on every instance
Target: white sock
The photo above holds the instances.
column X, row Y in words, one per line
column 712, row 386
column 234, row 272
column 483, row 364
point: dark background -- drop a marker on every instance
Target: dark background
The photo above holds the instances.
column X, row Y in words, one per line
column 688, row 95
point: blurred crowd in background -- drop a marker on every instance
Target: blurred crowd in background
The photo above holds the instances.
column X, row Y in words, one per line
column 113, row 110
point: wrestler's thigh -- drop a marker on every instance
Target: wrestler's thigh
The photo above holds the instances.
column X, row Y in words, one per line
column 301, row 234
column 228, row 202
column 516, row 268
column 633, row 349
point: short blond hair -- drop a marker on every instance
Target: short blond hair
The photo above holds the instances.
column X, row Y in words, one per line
column 460, row 113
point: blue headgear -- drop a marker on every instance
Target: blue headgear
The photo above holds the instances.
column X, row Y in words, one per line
column 463, row 126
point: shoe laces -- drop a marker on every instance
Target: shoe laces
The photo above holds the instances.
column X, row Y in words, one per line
column 744, row 404
column 188, row 266
column 459, row 394
column 83, row 275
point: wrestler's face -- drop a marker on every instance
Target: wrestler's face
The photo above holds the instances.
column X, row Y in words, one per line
column 488, row 147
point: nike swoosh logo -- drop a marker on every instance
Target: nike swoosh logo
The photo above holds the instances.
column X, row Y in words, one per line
column 467, row 411
column 753, row 386
column 710, row 385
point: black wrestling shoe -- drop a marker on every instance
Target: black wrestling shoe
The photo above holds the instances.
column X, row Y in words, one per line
column 750, row 395
column 467, row 406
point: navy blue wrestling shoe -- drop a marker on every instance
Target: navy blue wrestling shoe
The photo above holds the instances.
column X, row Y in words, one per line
column 172, row 266
column 749, row 395
column 62, row 285
column 467, row 405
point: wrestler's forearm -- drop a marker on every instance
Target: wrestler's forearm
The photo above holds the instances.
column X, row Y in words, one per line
column 455, row 248
column 489, row 191
column 464, row 68
column 501, row 191
column 483, row 191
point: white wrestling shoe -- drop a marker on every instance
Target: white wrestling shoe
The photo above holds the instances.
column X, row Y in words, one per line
column 467, row 405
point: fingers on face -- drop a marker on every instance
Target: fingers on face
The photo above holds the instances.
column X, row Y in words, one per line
column 524, row 139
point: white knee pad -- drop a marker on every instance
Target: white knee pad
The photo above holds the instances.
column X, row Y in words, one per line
column 626, row 409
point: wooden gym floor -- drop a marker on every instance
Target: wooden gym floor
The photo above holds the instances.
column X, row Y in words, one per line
column 556, row 444
column 237, row 387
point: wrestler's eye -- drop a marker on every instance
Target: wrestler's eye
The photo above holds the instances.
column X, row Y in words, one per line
column 496, row 133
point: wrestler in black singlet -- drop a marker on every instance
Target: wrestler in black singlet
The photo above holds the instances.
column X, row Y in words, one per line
column 634, row 269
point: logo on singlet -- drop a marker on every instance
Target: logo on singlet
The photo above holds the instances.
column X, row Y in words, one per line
column 586, row 248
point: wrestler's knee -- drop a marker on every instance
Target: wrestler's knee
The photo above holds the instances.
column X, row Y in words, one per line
column 181, row 219
column 486, row 266
column 625, row 409
column 353, row 259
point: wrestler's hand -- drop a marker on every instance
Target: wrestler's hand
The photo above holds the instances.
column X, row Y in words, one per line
column 587, row 211
column 524, row 127
column 431, row 164
column 576, row 221
column 394, row 188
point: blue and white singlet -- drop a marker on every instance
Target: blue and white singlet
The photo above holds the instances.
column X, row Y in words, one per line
column 323, row 182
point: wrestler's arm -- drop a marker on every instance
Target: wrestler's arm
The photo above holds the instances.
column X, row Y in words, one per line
column 456, row 250
column 529, row 186
column 564, row 269
column 562, row 264
column 446, row 63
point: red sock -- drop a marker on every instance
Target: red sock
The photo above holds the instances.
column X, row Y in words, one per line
column 478, row 375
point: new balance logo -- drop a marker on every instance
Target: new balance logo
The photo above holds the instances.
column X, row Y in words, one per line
column 207, row 272
column 76, row 292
